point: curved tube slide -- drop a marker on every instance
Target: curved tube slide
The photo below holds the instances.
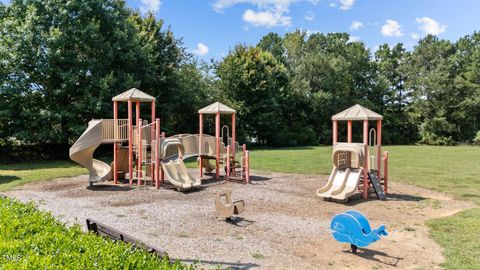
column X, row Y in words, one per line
column 82, row 153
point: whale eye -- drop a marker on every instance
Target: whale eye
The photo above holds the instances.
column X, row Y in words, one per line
column 363, row 230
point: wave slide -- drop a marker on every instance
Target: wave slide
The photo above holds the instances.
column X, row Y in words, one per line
column 82, row 153
column 341, row 185
column 177, row 174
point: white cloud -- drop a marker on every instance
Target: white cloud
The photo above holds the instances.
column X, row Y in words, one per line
column 346, row 4
column 415, row 36
column 310, row 16
column 391, row 28
column 150, row 5
column 283, row 5
column 332, row 5
column 201, row 49
column 356, row 25
column 430, row 26
column 354, row 39
column 269, row 13
column 266, row 18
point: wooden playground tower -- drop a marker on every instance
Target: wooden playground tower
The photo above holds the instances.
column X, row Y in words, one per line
column 143, row 140
column 218, row 109
column 372, row 163
column 130, row 97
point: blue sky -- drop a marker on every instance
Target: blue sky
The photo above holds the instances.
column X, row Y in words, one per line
column 220, row 24
column 210, row 28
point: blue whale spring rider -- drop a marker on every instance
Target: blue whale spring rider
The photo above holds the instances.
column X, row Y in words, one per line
column 353, row 227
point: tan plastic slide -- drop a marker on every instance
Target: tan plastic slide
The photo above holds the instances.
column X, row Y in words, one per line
column 82, row 153
column 349, row 187
column 335, row 182
column 341, row 185
column 177, row 174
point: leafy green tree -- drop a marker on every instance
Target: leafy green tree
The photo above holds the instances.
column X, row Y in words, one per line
column 65, row 61
column 430, row 75
column 467, row 85
column 398, row 126
column 332, row 73
column 273, row 43
column 253, row 81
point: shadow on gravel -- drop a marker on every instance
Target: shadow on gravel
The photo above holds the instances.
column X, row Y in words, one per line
column 404, row 197
column 376, row 256
column 109, row 188
column 239, row 221
column 222, row 265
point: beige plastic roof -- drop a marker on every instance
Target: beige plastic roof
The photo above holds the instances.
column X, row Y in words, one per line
column 357, row 112
column 134, row 95
column 217, row 107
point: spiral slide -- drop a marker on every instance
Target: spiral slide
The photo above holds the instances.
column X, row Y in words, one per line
column 82, row 153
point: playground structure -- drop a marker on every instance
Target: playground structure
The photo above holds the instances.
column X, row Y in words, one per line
column 353, row 227
column 143, row 154
column 353, row 167
column 225, row 207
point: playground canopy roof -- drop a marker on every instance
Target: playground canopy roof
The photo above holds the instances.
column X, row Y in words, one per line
column 217, row 107
column 356, row 113
column 134, row 95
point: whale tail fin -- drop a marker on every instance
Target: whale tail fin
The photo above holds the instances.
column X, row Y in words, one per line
column 382, row 230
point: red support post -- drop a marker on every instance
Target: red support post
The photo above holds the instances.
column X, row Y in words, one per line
column 200, row 141
column 139, row 151
column 379, row 150
column 152, row 136
column 385, row 171
column 349, row 131
column 247, row 169
column 228, row 162
column 130, row 142
column 335, row 131
column 234, row 133
column 157, row 147
column 217, row 140
column 137, row 123
column 115, row 134
column 366, row 167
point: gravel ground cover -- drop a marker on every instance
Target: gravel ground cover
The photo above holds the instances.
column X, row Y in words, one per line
column 285, row 225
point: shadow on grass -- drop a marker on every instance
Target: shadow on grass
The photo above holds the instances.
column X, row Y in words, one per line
column 262, row 148
column 58, row 164
column 470, row 195
column 223, row 265
column 5, row 179
column 376, row 256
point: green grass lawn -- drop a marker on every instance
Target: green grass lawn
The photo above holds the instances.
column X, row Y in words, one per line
column 12, row 175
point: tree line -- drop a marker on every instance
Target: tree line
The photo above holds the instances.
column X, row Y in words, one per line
column 62, row 61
